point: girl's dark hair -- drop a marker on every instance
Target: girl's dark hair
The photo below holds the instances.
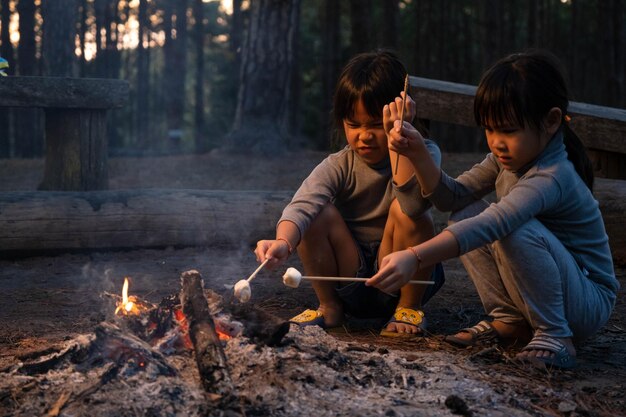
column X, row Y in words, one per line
column 520, row 90
column 376, row 78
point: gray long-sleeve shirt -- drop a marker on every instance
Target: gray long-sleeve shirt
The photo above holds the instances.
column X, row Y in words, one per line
column 362, row 194
column 549, row 189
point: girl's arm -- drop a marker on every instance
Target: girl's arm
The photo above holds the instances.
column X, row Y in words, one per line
column 397, row 268
column 391, row 113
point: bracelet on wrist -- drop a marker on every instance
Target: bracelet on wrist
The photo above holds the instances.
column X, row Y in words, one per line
column 289, row 247
column 413, row 250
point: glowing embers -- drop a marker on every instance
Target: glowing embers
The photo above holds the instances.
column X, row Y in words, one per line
column 164, row 326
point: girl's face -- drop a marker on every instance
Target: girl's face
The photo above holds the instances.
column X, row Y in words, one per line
column 366, row 135
column 516, row 146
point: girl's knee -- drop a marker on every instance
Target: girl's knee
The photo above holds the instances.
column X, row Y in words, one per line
column 328, row 219
column 529, row 235
column 407, row 225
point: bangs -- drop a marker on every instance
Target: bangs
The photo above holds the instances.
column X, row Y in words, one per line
column 373, row 93
column 373, row 78
column 498, row 101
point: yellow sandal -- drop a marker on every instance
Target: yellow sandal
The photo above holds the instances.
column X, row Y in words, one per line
column 409, row 316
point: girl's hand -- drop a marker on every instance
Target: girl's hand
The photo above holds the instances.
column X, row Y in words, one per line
column 396, row 269
column 405, row 140
column 277, row 251
column 391, row 112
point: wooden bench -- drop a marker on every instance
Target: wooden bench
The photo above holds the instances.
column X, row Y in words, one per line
column 601, row 129
column 75, row 125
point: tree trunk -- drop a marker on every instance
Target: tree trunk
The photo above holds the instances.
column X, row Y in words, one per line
column 99, row 14
column 236, row 31
column 531, row 26
column 6, row 49
column 613, row 55
column 142, row 111
column 58, row 37
column 390, row 23
column 175, row 51
column 361, row 25
column 265, row 98
column 201, row 143
column 28, row 122
column 330, row 66
column 82, row 25
column 6, row 52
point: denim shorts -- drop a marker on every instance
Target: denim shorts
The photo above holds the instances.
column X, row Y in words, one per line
column 366, row 302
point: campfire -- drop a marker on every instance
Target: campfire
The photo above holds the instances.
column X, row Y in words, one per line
column 197, row 353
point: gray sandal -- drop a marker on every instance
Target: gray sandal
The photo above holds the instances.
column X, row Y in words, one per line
column 482, row 333
column 561, row 359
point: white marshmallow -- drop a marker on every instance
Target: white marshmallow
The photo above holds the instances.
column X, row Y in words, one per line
column 243, row 291
column 292, row 278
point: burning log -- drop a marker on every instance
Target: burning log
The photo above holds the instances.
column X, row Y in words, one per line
column 210, row 356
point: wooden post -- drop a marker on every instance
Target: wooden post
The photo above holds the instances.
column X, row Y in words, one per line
column 76, row 150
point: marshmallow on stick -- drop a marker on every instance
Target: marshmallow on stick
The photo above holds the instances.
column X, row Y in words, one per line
column 243, row 292
column 293, row 277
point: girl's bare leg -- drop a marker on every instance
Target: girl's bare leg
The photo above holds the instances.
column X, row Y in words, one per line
column 401, row 232
column 328, row 249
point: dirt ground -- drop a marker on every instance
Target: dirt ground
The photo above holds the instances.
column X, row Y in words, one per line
column 46, row 299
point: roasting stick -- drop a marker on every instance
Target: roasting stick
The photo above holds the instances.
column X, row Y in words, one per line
column 243, row 292
column 256, row 271
column 406, row 89
column 355, row 279
column 293, row 277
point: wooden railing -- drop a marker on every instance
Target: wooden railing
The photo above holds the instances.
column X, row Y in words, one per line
column 601, row 129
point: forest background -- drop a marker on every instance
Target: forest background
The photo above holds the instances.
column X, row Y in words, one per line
column 258, row 75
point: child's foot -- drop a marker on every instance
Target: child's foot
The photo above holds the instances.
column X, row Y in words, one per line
column 490, row 332
column 549, row 351
column 406, row 321
column 325, row 317
column 333, row 314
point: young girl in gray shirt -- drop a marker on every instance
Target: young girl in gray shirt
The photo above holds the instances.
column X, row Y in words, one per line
column 353, row 209
column 539, row 257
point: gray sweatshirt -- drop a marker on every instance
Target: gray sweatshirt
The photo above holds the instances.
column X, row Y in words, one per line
column 548, row 189
column 362, row 194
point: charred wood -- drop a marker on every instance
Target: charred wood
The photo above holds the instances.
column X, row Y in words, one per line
column 210, row 357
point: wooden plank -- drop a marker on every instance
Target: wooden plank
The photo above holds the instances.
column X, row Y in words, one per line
column 57, row 221
column 61, row 92
column 599, row 127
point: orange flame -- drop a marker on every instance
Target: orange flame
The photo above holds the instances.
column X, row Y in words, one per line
column 128, row 305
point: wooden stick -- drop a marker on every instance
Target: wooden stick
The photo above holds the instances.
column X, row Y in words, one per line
column 256, row 271
column 406, row 89
column 314, row 278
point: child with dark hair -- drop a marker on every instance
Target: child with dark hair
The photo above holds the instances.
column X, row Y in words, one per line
column 352, row 210
column 539, row 257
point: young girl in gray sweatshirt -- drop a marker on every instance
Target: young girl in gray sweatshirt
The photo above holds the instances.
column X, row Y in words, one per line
column 539, row 256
